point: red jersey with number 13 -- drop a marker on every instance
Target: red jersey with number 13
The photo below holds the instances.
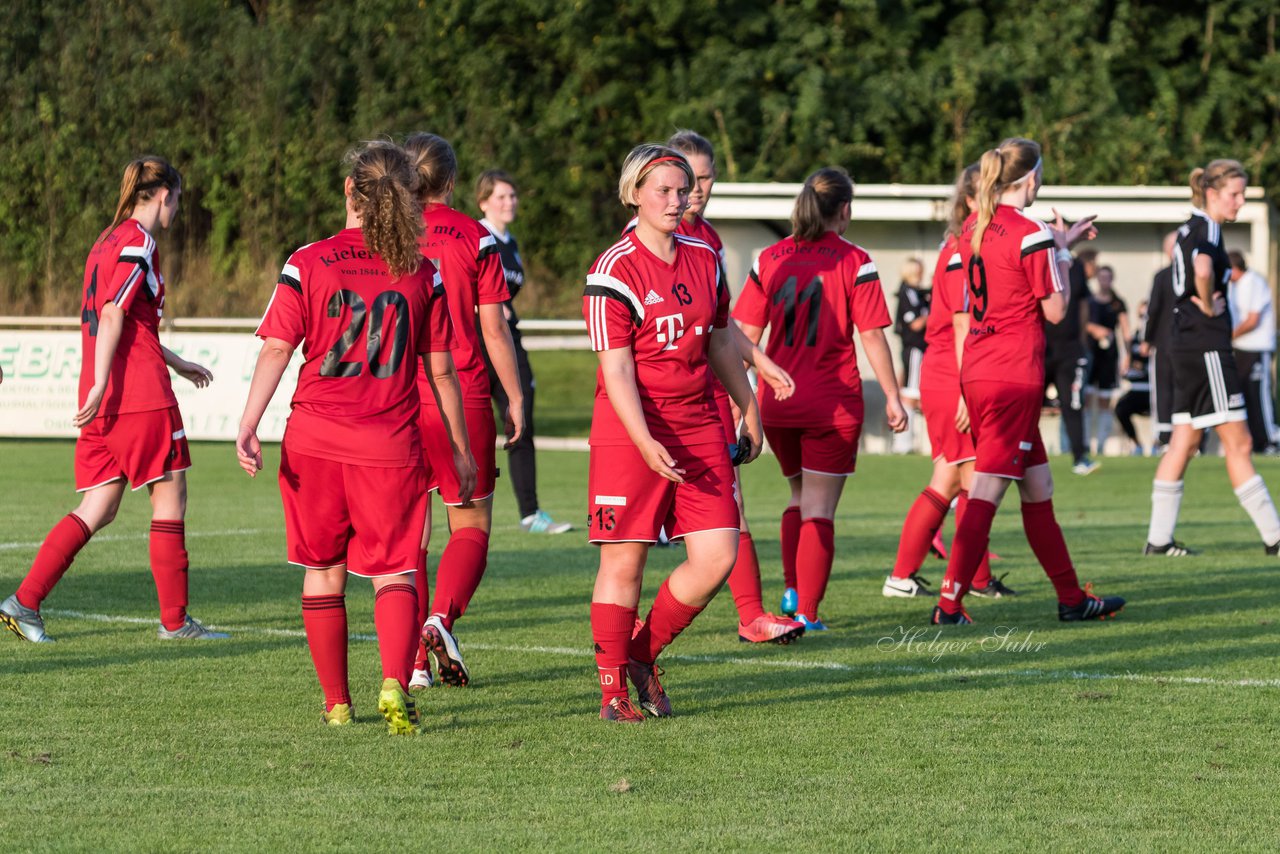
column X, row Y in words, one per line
column 1016, row 269
column 665, row 314
column 361, row 333
column 812, row 295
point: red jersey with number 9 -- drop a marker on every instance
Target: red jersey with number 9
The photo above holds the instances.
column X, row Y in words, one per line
column 361, row 332
column 812, row 295
column 1015, row 270
column 124, row 269
column 665, row 314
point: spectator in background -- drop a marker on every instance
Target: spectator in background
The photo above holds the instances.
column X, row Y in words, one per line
column 1158, row 338
column 913, row 314
column 497, row 197
column 1109, row 357
column 1254, row 340
column 1137, row 400
column 1066, row 361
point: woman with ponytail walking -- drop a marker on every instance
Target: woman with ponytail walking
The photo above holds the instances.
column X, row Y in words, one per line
column 130, row 428
column 814, row 289
column 1016, row 269
column 364, row 306
column 1208, row 392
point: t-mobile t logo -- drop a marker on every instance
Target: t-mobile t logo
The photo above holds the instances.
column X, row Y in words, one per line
column 670, row 330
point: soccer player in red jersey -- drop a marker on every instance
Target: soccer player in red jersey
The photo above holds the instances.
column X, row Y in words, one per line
column 755, row 625
column 1208, row 392
column 363, row 305
column 1015, row 282
column 466, row 255
column 813, row 289
column 944, row 414
column 657, row 309
column 130, row 429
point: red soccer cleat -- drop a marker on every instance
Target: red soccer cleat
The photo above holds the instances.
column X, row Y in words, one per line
column 768, row 628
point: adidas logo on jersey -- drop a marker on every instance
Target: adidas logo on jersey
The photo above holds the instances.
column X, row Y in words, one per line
column 653, row 298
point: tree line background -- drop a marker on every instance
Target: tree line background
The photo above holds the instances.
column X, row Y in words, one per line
column 255, row 102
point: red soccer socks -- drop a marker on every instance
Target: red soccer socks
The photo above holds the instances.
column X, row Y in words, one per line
column 611, row 627
column 325, row 619
column 973, row 532
column 744, row 581
column 169, row 569
column 462, row 565
column 667, row 619
column 57, row 552
column 395, row 614
column 790, row 542
column 814, row 554
column 1045, row 537
column 922, row 523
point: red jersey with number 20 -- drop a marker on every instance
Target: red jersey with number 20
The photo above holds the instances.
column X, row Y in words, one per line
column 124, row 268
column 665, row 314
column 361, row 333
column 939, row 369
column 466, row 255
column 812, row 295
column 1016, row 270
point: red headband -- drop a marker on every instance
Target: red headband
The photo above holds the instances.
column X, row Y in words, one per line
column 655, row 162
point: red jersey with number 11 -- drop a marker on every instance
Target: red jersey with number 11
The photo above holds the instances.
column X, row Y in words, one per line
column 361, row 333
column 812, row 296
column 1016, row 269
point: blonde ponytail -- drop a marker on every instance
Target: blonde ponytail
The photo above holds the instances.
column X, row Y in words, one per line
column 999, row 169
column 1213, row 177
column 143, row 177
column 965, row 189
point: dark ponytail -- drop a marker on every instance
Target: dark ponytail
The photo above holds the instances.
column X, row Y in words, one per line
column 384, row 195
column 824, row 193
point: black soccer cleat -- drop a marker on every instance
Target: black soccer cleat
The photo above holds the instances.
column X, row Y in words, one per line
column 942, row 618
column 997, row 589
column 1274, row 549
column 1092, row 608
column 1173, row 548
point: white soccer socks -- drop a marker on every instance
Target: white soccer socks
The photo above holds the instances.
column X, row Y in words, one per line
column 1166, row 500
column 1256, row 501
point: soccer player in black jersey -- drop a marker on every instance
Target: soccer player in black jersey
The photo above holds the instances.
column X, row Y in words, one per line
column 1208, row 393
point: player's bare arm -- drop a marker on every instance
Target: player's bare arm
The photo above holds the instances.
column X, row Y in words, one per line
column 272, row 362
column 198, row 375
column 1209, row 302
column 502, row 353
column 876, row 346
column 724, row 358
column 110, row 325
column 960, row 326
column 443, row 379
column 618, row 368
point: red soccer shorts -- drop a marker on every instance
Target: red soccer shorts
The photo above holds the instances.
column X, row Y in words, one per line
column 629, row 502
column 368, row 517
column 830, row 450
column 939, row 405
column 1005, row 420
column 140, row 447
column 438, row 453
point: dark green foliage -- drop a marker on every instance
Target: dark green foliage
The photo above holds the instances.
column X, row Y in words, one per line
column 255, row 102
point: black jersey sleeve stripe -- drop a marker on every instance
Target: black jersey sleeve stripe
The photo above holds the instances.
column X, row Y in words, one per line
column 290, row 281
column 486, row 249
column 601, row 291
column 1028, row 248
column 873, row 276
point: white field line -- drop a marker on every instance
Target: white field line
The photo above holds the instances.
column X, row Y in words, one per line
column 111, row 538
column 790, row 664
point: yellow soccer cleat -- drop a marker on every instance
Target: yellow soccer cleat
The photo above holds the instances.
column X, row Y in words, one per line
column 339, row 715
column 398, row 708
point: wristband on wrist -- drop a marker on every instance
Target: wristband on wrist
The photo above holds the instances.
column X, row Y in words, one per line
column 1063, row 255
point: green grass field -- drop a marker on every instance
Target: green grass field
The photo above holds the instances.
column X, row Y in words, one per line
column 1155, row 731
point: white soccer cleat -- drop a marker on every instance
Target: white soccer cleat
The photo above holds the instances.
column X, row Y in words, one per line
column 420, row 681
column 24, row 622
column 905, row 588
